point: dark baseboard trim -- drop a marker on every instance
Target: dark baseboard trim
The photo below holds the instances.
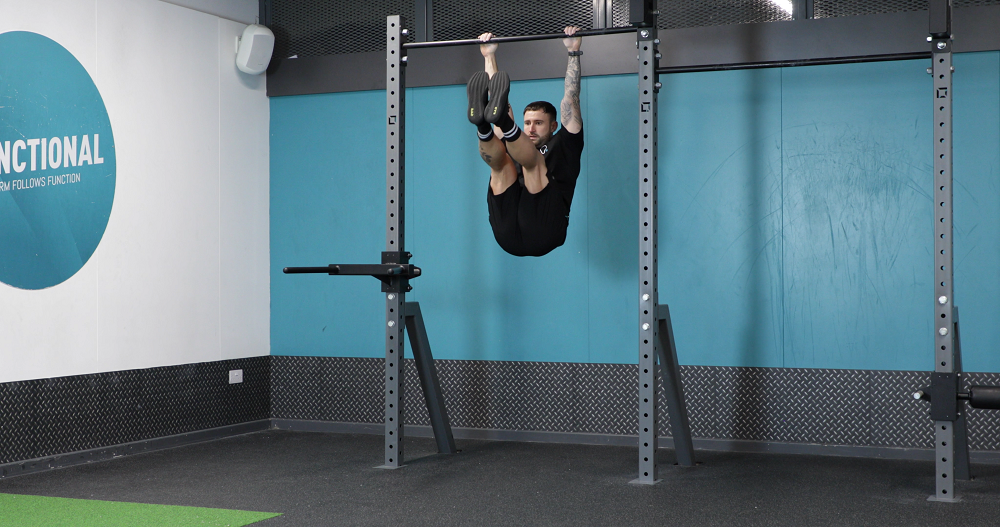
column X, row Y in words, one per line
column 526, row 436
column 129, row 449
column 719, row 445
column 303, row 425
column 297, row 425
column 990, row 457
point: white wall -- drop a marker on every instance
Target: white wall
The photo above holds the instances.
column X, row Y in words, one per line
column 245, row 11
column 181, row 274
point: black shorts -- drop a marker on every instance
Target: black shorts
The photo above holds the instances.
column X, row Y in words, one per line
column 527, row 224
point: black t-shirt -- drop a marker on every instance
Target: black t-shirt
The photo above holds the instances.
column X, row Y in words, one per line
column 562, row 154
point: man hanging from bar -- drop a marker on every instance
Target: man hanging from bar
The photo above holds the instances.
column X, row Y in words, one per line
column 532, row 173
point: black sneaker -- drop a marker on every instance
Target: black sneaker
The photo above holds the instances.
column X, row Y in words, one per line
column 496, row 109
column 477, row 90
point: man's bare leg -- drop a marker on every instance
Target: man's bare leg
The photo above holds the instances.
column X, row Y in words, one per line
column 502, row 171
column 532, row 163
column 520, row 148
column 503, row 174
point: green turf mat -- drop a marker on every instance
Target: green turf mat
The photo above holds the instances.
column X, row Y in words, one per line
column 20, row 510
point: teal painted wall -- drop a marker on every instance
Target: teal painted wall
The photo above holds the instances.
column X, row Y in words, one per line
column 977, row 203
column 795, row 222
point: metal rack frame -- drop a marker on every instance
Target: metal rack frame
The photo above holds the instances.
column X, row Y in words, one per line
column 944, row 353
column 656, row 334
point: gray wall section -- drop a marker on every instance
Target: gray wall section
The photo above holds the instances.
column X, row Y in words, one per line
column 868, row 37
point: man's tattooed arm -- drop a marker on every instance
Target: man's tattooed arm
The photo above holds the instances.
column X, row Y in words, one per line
column 570, row 106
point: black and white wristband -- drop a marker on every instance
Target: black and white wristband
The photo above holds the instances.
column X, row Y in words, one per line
column 575, row 53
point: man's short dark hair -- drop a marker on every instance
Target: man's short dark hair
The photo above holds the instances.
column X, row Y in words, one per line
column 541, row 106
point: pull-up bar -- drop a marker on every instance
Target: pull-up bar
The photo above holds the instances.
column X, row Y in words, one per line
column 522, row 38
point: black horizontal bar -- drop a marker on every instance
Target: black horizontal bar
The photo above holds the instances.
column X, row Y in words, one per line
column 375, row 270
column 298, row 270
column 794, row 63
column 523, row 38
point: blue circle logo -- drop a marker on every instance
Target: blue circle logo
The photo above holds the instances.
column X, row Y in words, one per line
column 57, row 163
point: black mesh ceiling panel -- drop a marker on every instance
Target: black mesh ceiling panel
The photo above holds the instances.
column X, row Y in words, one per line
column 699, row 13
column 831, row 8
column 331, row 27
column 618, row 13
column 458, row 19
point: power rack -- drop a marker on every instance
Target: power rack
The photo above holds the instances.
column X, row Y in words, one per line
column 657, row 351
column 656, row 332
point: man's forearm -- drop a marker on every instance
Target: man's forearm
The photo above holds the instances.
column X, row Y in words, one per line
column 491, row 64
column 570, row 106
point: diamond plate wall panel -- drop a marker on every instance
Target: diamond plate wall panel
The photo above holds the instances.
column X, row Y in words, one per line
column 17, row 420
column 325, row 389
column 840, row 407
column 836, row 407
column 608, row 395
column 676, row 14
column 458, row 19
column 843, row 407
column 329, row 27
column 897, row 420
column 67, row 414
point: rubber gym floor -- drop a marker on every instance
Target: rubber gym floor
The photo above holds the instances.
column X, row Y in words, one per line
column 330, row 480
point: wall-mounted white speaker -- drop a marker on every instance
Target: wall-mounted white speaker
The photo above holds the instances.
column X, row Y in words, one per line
column 253, row 49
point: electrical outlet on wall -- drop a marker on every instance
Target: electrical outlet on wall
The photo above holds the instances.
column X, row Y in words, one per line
column 235, row 376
